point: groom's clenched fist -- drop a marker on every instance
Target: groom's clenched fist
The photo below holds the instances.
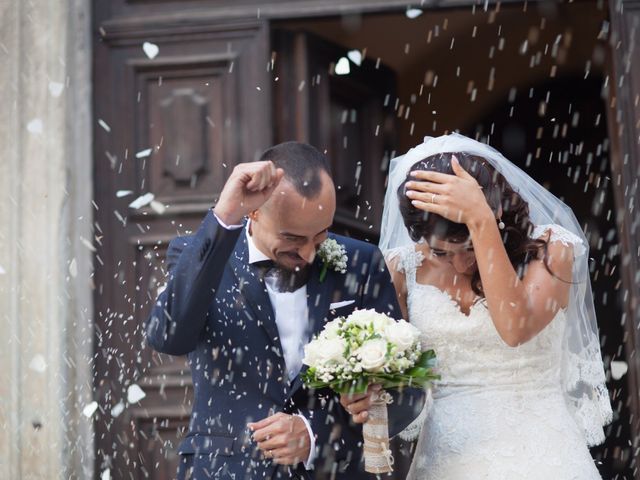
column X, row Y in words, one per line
column 247, row 189
column 283, row 438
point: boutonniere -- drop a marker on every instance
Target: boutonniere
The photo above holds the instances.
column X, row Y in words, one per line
column 334, row 256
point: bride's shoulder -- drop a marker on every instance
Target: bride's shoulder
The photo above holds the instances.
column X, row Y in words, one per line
column 404, row 259
column 559, row 235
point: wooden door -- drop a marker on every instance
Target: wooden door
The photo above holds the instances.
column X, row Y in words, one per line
column 173, row 126
column 350, row 116
column 624, row 132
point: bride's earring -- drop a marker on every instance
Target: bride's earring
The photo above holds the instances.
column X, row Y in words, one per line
column 501, row 224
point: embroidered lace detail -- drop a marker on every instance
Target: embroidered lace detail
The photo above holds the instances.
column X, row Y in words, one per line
column 561, row 234
column 500, row 412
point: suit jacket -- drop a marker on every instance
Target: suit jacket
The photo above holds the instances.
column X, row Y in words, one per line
column 216, row 310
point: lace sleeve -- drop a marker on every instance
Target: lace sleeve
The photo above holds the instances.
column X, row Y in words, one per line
column 561, row 234
column 404, row 259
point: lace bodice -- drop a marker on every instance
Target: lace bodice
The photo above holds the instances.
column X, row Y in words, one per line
column 470, row 352
column 471, row 355
column 498, row 412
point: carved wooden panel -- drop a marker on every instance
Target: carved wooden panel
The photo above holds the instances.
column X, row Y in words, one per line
column 172, row 126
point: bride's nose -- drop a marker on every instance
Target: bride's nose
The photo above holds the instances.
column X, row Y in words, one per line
column 461, row 262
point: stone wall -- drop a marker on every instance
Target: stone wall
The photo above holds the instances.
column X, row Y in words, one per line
column 45, row 239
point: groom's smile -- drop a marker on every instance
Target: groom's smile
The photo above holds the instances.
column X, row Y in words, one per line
column 290, row 227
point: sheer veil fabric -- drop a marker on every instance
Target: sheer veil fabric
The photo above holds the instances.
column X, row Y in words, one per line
column 582, row 372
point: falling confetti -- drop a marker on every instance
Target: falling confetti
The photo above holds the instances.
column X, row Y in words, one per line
column 135, row 394
column 158, row 207
column 413, row 13
column 90, row 409
column 73, row 268
column 355, row 56
column 123, row 193
column 142, row 200
column 35, row 126
column 144, row 153
column 104, row 125
column 618, row 369
column 342, row 67
column 106, row 474
column 56, row 89
column 151, row 50
column 2, row 270
column 117, row 409
column 38, row 364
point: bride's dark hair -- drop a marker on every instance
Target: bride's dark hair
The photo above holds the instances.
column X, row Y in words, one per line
column 520, row 247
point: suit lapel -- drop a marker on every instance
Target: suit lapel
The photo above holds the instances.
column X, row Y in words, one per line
column 254, row 291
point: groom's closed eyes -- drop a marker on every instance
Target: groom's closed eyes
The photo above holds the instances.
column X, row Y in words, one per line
column 290, row 237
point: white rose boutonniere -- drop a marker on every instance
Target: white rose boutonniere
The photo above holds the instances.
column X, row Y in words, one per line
column 333, row 256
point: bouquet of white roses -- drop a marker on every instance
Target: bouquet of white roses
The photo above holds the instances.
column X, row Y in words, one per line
column 365, row 348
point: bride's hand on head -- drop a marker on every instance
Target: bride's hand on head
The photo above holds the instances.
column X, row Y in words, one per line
column 458, row 197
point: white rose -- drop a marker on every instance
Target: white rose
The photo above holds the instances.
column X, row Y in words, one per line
column 323, row 351
column 373, row 354
column 362, row 318
column 331, row 330
column 402, row 334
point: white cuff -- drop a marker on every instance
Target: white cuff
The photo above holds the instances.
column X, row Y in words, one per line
column 225, row 226
column 308, row 465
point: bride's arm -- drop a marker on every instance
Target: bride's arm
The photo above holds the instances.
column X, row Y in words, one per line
column 520, row 308
column 399, row 282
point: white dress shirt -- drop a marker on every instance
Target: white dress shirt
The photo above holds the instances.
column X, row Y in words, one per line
column 292, row 319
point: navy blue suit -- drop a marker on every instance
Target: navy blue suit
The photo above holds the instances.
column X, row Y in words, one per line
column 216, row 310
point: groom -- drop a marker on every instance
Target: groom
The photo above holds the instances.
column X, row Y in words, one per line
column 242, row 299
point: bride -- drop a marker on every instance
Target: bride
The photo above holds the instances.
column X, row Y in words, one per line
column 492, row 269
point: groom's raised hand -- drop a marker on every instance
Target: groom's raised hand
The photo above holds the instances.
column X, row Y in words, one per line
column 283, row 438
column 247, row 189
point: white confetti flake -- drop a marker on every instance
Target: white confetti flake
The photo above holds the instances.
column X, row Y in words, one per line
column 35, row 126
column 106, row 474
column 142, row 200
column 355, row 56
column 158, row 207
column 2, row 270
column 144, row 153
column 104, row 125
column 342, row 67
column 73, row 268
column 56, row 89
column 151, row 50
column 618, row 369
column 90, row 409
column 135, row 394
column 38, row 364
column 88, row 244
column 413, row 13
column 123, row 193
column 117, row 409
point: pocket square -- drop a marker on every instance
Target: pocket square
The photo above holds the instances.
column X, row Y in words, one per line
column 335, row 305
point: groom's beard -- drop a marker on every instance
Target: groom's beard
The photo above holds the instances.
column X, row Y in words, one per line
column 289, row 280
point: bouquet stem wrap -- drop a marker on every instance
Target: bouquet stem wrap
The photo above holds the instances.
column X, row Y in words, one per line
column 377, row 455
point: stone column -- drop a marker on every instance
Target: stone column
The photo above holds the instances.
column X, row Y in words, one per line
column 45, row 239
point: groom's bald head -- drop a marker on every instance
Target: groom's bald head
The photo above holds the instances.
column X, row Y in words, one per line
column 296, row 218
column 304, row 166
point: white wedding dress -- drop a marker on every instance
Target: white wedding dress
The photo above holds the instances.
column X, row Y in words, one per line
column 498, row 412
